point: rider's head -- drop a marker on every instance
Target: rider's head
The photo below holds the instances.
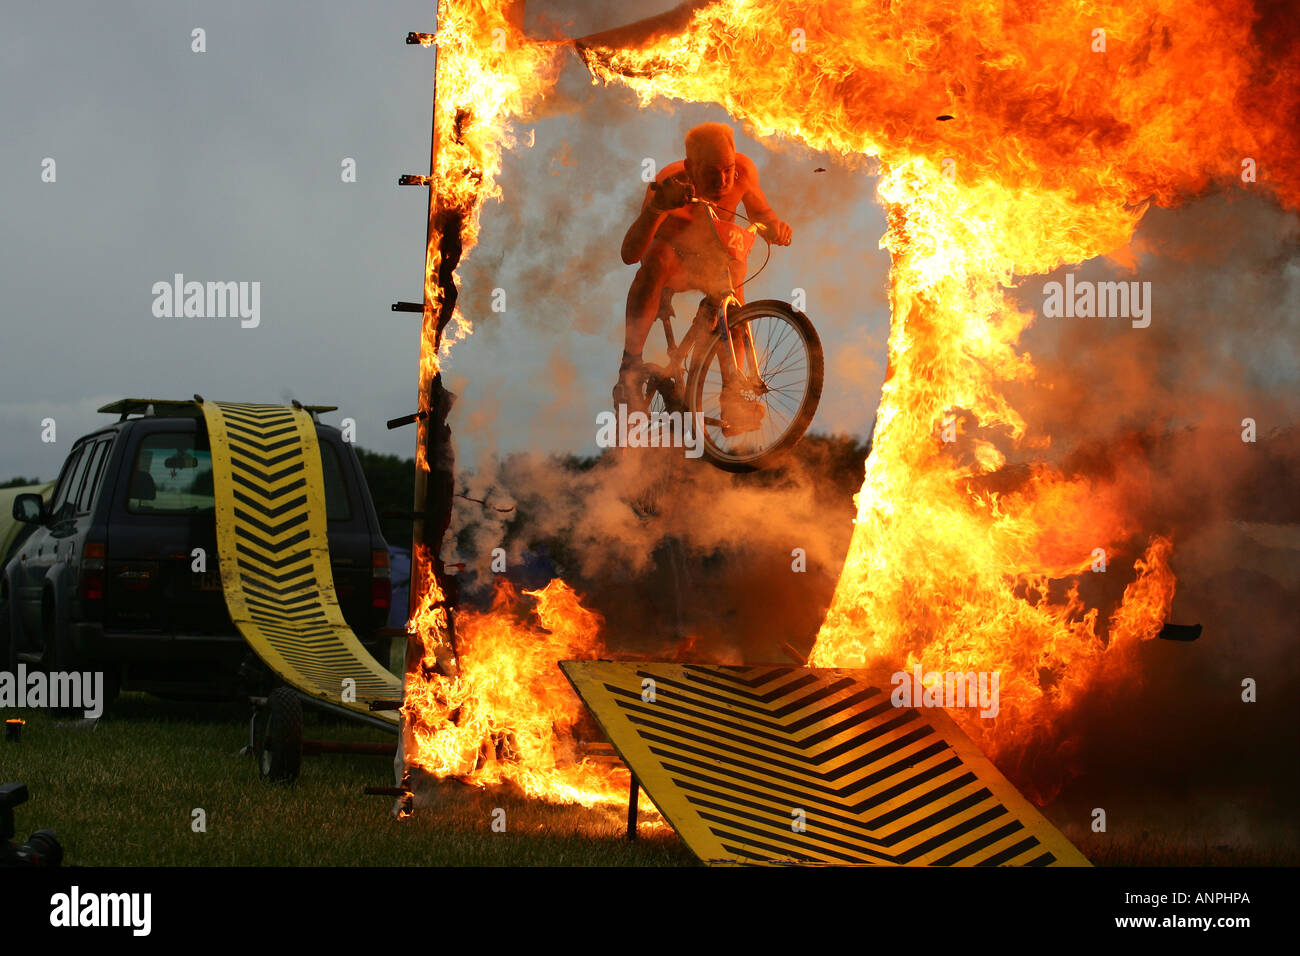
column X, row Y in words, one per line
column 711, row 159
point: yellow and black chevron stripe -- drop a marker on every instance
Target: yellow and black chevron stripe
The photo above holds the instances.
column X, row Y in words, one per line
column 274, row 557
column 796, row 765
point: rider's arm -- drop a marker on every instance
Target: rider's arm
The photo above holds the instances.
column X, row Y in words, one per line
column 671, row 190
column 756, row 207
column 642, row 231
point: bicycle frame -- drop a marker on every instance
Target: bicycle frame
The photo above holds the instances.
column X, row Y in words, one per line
column 688, row 382
column 747, row 351
column 704, row 322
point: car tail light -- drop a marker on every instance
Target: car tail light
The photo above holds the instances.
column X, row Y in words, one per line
column 92, row 571
column 381, row 581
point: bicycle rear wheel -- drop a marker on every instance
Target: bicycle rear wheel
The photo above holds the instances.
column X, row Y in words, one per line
column 790, row 369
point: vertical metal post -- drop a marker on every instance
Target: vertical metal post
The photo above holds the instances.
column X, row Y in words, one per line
column 633, row 797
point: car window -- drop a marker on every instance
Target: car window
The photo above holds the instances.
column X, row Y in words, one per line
column 338, row 507
column 171, row 474
column 68, row 481
column 77, row 491
column 93, row 471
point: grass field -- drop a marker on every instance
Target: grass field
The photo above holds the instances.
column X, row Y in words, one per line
column 122, row 794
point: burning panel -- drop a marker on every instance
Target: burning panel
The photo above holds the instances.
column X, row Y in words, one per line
column 797, row 765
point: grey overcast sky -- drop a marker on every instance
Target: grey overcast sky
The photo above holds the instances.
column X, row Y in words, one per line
column 225, row 166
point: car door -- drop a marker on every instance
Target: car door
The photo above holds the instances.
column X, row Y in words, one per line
column 40, row 552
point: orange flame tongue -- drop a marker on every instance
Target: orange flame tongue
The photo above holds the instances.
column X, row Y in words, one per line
column 939, row 572
column 499, row 709
column 508, row 713
column 488, row 74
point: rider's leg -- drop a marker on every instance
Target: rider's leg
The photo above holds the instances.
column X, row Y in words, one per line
column 660, row 269
column 660, row 266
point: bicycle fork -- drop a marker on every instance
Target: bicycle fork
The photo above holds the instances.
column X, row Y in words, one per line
column 740, row 348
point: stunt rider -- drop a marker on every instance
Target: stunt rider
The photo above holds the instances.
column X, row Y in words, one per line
column 679, row 247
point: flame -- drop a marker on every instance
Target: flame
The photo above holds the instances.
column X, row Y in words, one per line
column 487, row 75
column 508, row 714
column 496, row 708
column 1063, row 138
column 1071, row 119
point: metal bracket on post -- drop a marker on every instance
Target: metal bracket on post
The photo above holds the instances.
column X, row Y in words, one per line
column 1179, row 632
column 411, row 179
column 407, row 420
column 408, row 307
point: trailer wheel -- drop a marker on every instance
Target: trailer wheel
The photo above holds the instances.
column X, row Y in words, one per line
column 279, row 751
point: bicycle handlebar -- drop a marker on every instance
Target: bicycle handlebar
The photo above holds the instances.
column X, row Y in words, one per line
column 757, row 228
column 754, row 227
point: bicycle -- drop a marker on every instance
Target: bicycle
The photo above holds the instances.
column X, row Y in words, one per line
column 726, row 367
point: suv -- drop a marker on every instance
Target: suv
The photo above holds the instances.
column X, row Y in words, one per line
column 106, row 581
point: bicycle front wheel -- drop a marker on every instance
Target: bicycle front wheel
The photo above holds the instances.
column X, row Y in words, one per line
column 783, row 378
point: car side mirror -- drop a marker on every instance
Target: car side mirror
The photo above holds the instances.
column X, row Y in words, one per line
column 30, row 508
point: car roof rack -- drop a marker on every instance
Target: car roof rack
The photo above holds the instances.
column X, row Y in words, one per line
column 180, row 408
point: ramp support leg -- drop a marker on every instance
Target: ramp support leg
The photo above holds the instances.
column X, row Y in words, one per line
column 633, row 796
column 251, row 749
